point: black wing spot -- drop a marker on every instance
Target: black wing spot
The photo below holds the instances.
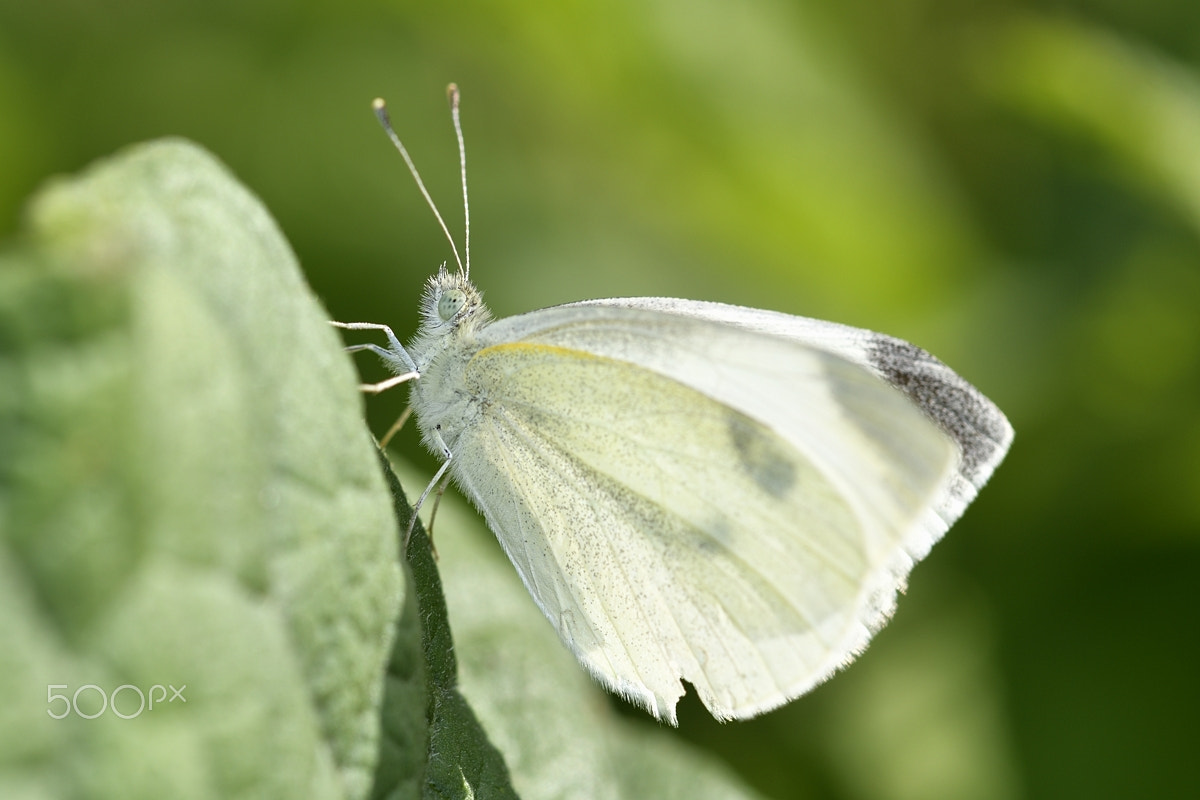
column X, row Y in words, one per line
column 761, row 456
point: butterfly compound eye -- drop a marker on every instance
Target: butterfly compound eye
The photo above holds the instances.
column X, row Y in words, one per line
column 451, row 303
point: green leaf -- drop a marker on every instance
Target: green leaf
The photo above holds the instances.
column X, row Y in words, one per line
column 187, row 499
column 434, row 746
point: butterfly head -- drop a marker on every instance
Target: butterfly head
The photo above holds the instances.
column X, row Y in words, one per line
column 452, row 304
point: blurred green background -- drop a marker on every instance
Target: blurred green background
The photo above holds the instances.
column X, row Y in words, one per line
column 1013, row 186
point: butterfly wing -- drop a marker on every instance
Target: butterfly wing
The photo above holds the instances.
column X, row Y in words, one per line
column 688, row 496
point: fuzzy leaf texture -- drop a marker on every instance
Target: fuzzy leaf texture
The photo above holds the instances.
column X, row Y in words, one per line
column 187, row 497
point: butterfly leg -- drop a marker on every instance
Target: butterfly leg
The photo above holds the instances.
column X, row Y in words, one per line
column 396, row 426
column 437, row 502
column 383, row 386
column 395, row 356
column 446, row 456
column 397, row 348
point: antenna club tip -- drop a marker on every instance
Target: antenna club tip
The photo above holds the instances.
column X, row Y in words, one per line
column 380, row 109
column 452, row 93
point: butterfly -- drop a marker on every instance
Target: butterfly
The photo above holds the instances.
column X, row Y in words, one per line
column 693, row 491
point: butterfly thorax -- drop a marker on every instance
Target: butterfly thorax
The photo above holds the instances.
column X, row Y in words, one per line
column 452, row 315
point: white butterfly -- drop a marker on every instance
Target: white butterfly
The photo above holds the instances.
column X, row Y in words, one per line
column 696, row 491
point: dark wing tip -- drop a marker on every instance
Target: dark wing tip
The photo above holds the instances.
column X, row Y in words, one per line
column 980, row 429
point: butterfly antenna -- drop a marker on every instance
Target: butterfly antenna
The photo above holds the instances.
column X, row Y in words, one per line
column 452, row 92
column 381, row 113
